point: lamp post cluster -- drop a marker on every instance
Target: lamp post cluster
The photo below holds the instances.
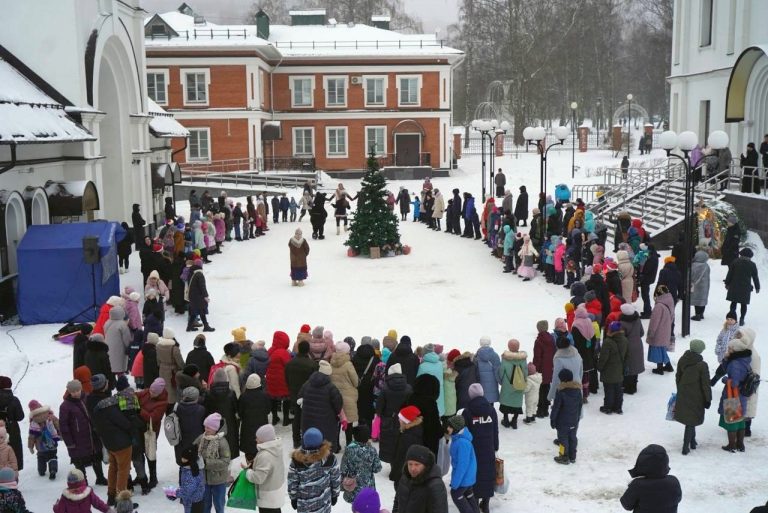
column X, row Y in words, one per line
column 686, row 141
column 489, row 128
column 629, row 122
column 538, row 135
column 574, row 106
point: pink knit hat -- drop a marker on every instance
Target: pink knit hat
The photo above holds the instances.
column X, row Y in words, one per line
column 157, row 387
column 212, row 422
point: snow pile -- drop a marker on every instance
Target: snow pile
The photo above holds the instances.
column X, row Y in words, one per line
column 163, row 124
column 29, row 115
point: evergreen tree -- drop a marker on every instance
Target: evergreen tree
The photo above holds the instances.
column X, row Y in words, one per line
column 373, row 224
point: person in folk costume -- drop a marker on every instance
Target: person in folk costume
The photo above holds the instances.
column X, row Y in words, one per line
column 299, row 250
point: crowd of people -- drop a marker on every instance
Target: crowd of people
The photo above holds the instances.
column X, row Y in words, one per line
column 424, row 410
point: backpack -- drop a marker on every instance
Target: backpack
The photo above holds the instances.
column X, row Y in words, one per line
column 172, row 428
column 214, row 368
column 518, row 379
column 748, row 387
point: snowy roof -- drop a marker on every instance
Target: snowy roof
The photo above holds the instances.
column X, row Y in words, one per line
column 207, row 34
column 28, row 115
column 163, row 124
column 307, row 12
column 354, row 40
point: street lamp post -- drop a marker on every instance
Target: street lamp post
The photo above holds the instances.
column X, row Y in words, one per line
column 538, row 135
column 599, row 120
column 686, row 141
column 490, row 129
column 629, row 123
column 574, row 106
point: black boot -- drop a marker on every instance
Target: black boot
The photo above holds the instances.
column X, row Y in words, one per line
column 514, row 421
column 275, row 407
column 687, row 436
column 731, row 447
column 287, row 413
column 659, row 369
column 505, row 421
column 748, row 428
column 99, row 471
column 740, row 440
column 145, row 488
column 110, row 500
column 152, row 473
column 668, row 367
column 485, row 505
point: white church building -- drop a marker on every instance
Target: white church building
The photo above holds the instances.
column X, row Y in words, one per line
column 79, row 139
column 719, row 77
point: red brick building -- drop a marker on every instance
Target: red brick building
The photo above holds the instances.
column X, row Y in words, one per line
column 316, row 92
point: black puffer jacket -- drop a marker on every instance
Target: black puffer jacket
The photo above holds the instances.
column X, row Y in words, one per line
column 191, row 417
column 653, row 490
column 426, row 390
column 466, row 376
column 424, row 493
column 253, row 407
column 113, row 426
column 201, row 357
column 13, row 414
column 97, row 360
column 409, row 362
column 396, row 390
column 222, row 400
column 297, row 372
column 365, row 362
column 321, row 404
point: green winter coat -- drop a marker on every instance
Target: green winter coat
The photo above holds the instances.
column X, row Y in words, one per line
column 610, row 363
column 449, row 391
column 509, row 396
column 694, row 394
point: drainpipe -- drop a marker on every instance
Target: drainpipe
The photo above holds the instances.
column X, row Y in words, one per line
column 13, row 159
column 173, row 185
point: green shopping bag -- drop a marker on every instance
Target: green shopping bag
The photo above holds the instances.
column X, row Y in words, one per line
column 242, row 494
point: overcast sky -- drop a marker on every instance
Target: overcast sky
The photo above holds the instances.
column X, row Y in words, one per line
column 434, row 14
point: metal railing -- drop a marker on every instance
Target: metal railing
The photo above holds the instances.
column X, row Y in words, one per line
column 394, row 159
column 257, row 165
column 663, row 214
column 307, row 164
column 397, row 43
column 251, row 179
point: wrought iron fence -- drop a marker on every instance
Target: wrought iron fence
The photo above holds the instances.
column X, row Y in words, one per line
column 393, row 159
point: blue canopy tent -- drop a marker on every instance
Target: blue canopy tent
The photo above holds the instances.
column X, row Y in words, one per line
column 55, row 282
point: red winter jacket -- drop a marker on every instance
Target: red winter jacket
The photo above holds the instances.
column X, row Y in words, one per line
column 277, row 388
column 543, row 356
column 615, row 310
column 103, row 318
column 595, row 307
column 152, row 408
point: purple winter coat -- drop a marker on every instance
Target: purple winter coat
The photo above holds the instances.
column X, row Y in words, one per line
column 737, row 366
column 133, row 313
column 660, row 326
column 76, row 429
column 73, row 502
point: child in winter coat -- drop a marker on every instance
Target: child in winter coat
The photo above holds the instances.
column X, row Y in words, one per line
column 313, row 478
column 124, row 502
column 267, row 471
column 292, row 206
column 191, row 482
column 559, row 262
column 416, row 208
column 79, row 497
column 43, row 437
column 566, row 412
column 532, row 384
column 359, row 464
column 726, row 334
column 509, row 243
column 368, row 501
column 10, row 498
column 527, row 255
column 463, row 465
column 7, row 456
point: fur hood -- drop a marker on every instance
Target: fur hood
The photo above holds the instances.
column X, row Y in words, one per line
column 516, row 355
column 309, row 457
column 575, row 385
column 166, row 342
column 536, row 378
column 568, row 352
column 339, row 359
column 76, row 497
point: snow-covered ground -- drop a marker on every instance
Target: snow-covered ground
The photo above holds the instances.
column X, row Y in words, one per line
column 448, row 291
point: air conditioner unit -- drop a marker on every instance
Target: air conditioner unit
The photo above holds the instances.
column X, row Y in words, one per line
column 357, row 80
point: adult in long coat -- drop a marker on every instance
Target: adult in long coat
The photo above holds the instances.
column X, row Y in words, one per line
column 481, row 420
column 466, row 375
column 511, row 399
column 747, row 335
column 277, row 387
column 585, row 340
column 627, row 271
column 633, row 329
column 694, row 393
column 298, row 248
column 138, row 225
column 488, row 362
column 253, row 407
column 659, row 335
column 742, row 273
column 646, row 278
column 543, row 355
column 200, row 356
column 409, row 362
column 670, row 277
column 97, row 358
column 198, row 300
column 76, row 430
column 730, row 247
column 118, row 338
column 364, row 362
column 566, row 357
column 14, row 414
column 507, row 207
column 426, row 389
column 699, row 283
column 431, row 364
column 521, row 206
column 191, row 416
column 500, row 180
column 344, row 377
column 149, row 359
column 735, row 367
column 222, row 400
column 169, row 361
column 297, row 373
column 610, row 363
column 404, row 200
column 321, row 404
column 396, row 390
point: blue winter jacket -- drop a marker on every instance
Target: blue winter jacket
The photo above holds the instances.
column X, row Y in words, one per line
column 469, row 208
column 463, row 460
column 416, row 208
column 509, row 240
column 736, row 367
column 432, row 365
column 589, row 222
column 566, row 410
column 488, row 362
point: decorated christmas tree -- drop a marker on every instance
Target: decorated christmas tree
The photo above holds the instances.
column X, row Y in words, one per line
column 373, row 224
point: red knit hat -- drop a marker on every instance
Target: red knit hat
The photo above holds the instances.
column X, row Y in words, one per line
column 453, row 354
column 409, row 414
column 305, row 328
